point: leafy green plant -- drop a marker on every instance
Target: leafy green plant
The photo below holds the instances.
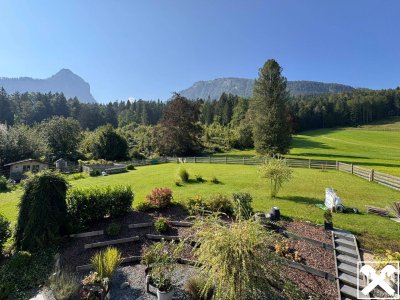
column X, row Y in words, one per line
column 277, row 172
column 242, row 205
column 25, row 271
column 92, row 204
column 196, row 204
column 235, row 259
column 219, row 203
column 43, row 211
column 145, row 206
column 162, row 258
column 195, row 286
column 130, row 167
column 183, row 174
column 161, row 225
column 64, row 285
column 215, row 180
column 4, row 184
column 292, row 292
column 113, row 229
column 78, row 176
column 160, row 197
column 106, row 262
column 5, row 231
column 94, row 173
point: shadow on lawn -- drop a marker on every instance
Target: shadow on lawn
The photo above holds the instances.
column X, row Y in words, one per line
column 302, row 200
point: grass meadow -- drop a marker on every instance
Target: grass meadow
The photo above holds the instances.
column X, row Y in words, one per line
column 297, row 199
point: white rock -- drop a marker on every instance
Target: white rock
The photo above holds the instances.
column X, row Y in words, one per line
column 124, row 285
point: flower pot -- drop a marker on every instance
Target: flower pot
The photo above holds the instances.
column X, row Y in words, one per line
column 165, row 295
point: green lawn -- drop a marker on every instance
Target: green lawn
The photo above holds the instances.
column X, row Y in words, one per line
column 373, row 146
column 297, row 199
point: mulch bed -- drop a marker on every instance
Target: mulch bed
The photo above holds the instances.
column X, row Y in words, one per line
column 308, row 230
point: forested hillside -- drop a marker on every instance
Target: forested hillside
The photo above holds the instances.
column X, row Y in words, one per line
column 243, row 87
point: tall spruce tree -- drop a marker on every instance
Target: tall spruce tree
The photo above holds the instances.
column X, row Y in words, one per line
column 271, row 129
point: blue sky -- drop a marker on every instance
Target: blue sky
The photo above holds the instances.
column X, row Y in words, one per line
column 150, row 48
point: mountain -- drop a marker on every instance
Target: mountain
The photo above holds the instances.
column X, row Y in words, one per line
column 244, row 87
column 64, row 81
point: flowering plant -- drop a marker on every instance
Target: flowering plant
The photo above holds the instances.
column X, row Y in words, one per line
column 160, row 197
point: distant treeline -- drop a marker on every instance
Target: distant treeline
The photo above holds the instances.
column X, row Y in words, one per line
column 353, row 108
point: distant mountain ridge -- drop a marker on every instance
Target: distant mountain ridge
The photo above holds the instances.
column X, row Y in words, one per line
column 64, row 81
column 244, row 87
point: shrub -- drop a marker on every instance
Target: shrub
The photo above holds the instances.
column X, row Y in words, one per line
column 196, row 204
column 292, row 291
column 5, row 231
column 113, row 229
column 183, row 174
column 219, row 203
column 106, row 262
column 130, row 167
column 215, row 180
column 64, row 285
column 94, row 173
column 277, row 172
column 242, row 205
column 160, row 197
column 93, row 204
column 25, row 271
column 199, row 178
column 144, row 206
column 4, row 184
column 161, row 225
column 42, row 211
column 235, row 259
column 78, row 176
column 195, row 287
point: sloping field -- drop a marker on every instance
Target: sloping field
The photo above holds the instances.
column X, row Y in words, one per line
column 296, row 200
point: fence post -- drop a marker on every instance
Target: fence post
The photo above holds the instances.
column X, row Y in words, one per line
column 244, row 160
column 309, row 163
column 337, row 165
column 194, row 159
column 226, row 159
column 371, row 177
column 352, row 169
column 210, row 159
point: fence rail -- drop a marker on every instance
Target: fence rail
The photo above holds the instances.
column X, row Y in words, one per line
column 387, row 180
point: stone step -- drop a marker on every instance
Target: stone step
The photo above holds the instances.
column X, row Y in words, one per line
column 347, row 251
column 350, row 260
column 348, row 269
column 349, row 279
column 345, row 243
column 343, row 234
column 348, row 291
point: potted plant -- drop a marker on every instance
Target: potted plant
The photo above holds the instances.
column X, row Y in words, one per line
column 93, row 287
column 328, row 220
column 161, row 261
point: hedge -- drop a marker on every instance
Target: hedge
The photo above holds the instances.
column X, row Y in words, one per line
column 92, row 204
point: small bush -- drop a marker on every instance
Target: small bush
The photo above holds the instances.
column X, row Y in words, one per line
column 64, row 285
column 130, row 167
column 78, row 176
column 93, row 204
column 106, row 262
column 145, row 206
column 113, row 229
column 219, row 203
column 196, row 288
column 160, row 197
column 4, row 184
column 94, row 173
column 5, row 231
column 196, row 204
column 183, row 174
column 215, row 180
column 199, row 178
column 242, row 205
column 161, row 225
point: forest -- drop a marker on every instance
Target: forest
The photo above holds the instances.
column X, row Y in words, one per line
column 223, row 124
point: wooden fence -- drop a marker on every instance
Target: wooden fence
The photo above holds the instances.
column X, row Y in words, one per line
column 387, row 180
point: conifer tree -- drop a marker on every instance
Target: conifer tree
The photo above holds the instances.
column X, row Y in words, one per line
column 271, row 130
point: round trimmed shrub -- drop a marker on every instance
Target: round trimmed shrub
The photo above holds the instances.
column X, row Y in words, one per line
column 113, row 229
column 130, row 167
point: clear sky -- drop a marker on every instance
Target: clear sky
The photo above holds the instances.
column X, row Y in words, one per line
column 150, row 48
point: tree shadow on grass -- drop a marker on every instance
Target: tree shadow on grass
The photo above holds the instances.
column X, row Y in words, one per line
column 300, row 142
column 302, row 200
